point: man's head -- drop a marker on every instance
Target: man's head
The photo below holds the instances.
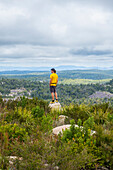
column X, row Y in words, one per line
column 53, row 70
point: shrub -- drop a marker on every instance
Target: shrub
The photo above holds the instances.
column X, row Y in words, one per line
column 77, row 112
column 13, row 131
column 37, row 112
column 46, row 123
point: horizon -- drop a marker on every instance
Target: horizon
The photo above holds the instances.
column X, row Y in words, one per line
column 58, row 68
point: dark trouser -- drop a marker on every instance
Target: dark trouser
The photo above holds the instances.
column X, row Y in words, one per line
column 52, row 89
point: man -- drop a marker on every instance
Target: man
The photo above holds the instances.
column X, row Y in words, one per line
column 53, row 83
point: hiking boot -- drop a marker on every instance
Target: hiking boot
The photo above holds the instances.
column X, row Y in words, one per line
column 56, row 100
column 52, row 102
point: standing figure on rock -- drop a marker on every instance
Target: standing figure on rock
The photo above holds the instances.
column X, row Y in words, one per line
column 53, row 83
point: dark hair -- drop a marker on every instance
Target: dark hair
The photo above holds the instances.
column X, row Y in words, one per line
column 53, row 70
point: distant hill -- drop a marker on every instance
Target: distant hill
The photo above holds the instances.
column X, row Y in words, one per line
column 17, row 72
column 58, row 68
column 63, row 74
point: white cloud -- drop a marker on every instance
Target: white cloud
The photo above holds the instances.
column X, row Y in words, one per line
column 41, row 33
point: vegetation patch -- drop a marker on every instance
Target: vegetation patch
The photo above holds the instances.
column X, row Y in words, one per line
column 26, row 132
column 83, row 81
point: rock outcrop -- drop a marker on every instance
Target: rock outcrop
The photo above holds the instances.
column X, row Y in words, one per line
column 60, row 129
column 101, row 94
column 55, row 106
column 61, row 119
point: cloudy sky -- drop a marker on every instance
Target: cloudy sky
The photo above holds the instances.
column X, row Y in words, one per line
column 36, row 33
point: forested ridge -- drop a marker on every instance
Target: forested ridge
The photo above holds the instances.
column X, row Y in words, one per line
column 66, row 74
column 67, row 92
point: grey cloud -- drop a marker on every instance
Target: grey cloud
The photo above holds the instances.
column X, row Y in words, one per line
column 51, row 32
column 50, row 24
column 86, row 52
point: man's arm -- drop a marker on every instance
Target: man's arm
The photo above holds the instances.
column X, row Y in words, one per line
column 50, row 82
column 57, row 80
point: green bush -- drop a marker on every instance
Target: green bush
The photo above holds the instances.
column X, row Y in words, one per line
column 46, row 123
column 80, row 134
column 37, row 112
column 25, row 131
column 13, row 131
column 76, row 112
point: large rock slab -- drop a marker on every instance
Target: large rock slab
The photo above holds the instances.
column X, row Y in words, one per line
column 62, row 128
column 55, row 106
